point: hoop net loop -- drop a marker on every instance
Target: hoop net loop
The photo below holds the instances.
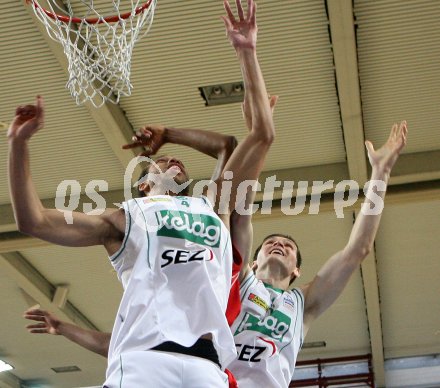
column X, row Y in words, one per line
column 98, row 48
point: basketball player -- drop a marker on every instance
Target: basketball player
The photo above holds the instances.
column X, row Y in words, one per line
column 274, row 320
column 172, row 253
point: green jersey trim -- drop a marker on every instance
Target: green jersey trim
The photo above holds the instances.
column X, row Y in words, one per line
column 267, row 285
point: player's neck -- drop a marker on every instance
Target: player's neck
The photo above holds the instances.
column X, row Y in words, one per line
column 273, row 277
column 157, row 190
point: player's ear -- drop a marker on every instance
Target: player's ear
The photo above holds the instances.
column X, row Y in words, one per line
column 295, row 274
column 144, row 187
column 254, row 265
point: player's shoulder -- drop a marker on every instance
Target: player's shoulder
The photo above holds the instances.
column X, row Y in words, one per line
column 113, row 216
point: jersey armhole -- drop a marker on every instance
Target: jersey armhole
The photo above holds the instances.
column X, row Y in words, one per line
column 207, row 201
column 298, row 292
column 238, row 260
column 247, row 280
column 113, row 258
column 234, row 300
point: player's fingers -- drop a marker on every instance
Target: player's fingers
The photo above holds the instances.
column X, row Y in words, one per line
column 402, row 128
column 38, row 318
column 249, row 9
column 34, row 311
column 143, row 137
column 146, row 133
column 36, row 326
column 404, row 132
column 228, row 24
column 40, row 107
column 38, row 331
column 404, row 140
column 393, row 131
column 273, row 101
column 369, row 146
column 132, row 145
column 229, row 11
column 147, row 130
column 26, row 111
column 405, row 128
column 252, row 14
column 240, row 10
column 19, row 110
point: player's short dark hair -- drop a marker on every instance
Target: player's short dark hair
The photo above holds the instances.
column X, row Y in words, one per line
column 298, row 253
column 146, row 170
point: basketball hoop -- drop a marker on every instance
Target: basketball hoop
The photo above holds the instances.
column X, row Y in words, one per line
column 98, row 48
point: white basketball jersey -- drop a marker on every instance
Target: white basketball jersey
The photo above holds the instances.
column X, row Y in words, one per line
column 175, row 264
column 268, row 334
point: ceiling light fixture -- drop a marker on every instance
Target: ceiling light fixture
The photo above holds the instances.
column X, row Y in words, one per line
column 222, row 93
column 316, row 344
column 4, row 366
column 66, row 369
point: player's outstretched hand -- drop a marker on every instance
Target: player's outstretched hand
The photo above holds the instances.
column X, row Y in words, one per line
column 27, row 121
column 242, row 32
column 47, row 323
column 151, row 137
column 385, row 157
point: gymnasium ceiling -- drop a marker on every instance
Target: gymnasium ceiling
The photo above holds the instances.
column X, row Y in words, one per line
column 345, row 72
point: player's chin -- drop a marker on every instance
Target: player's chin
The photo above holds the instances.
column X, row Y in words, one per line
column 278, row 259
column 181, row 178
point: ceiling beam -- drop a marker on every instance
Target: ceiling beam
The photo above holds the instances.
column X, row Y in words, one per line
column 9, row 380
column 110, row 119
column 397, row 195
column 13, row 241
column 343, row 40
column 32, row 282
column 372, row 301
column 416, row 167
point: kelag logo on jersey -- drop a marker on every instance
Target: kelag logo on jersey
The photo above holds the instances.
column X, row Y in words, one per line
column 198, row 228
column 275, row 325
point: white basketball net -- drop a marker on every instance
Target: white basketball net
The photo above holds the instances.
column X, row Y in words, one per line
column 98, row 51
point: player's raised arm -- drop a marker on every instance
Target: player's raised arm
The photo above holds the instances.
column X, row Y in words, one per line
column 247, row 161
column 335, row 273
column 31, row 216
column 241, row 224
column 47, row 323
